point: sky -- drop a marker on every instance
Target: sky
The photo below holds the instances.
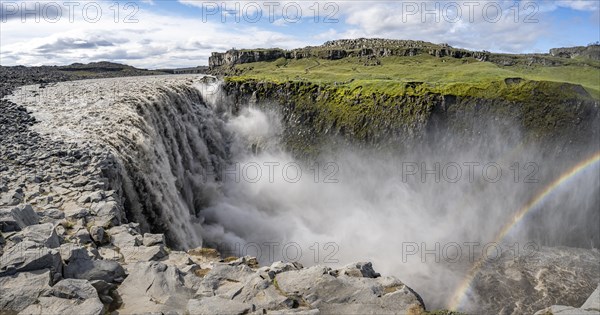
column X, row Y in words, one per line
column 157, row 34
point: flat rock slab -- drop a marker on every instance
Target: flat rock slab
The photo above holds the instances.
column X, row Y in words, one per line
column 153, row 287
column 55, row 305
column 217, row 305
column 43, row 234
column 16, row 218
column 29, row 256
column 23, row 289
column 106, row 270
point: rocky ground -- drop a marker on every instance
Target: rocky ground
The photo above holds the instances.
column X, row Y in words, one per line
column 67, row 246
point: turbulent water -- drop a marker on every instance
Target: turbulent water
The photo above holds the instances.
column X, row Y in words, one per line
column 209, row 172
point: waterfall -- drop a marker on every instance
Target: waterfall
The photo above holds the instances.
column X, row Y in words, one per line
column 174, row 136
column 175, row 166
column 169, row 134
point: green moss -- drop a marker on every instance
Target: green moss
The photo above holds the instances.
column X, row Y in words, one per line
column 375, row 115
column 395, row 98
column 445, row 75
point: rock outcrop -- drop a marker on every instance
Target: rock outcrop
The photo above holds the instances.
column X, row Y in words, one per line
column 591, row 52
column 339, row 49
column 379, row 47
column 324, row 113
column 233, row 56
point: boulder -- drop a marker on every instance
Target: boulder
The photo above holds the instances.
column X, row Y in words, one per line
column 107, row 213
column 264, row 294
column 29, row 256
column 74, row 211
column 223, row 278
column 42, row 234
column 89, row 269
column 70, row 251
column 153, row 287
column 360, row 269
column 133, row 254
column 191, row 279
column 56, row 305
column 94, row 197
column 331, row 292
column 13, row 197
column 278, row 267
column 104, row 290
column 153, row 239
column 109, row 253
column 82, row 236
column 125, row 235
column 17, row 218
column 23, row 289
column 51, row 215
column 178, row 259
column 97, row 234
column 74, row 289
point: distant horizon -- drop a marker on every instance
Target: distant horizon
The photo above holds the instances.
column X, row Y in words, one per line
column 257, row 48
column 169, row 34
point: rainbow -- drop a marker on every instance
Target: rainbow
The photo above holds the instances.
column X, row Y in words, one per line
column 461, row 291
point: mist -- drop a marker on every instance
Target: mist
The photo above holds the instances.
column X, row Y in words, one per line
column 422, row 224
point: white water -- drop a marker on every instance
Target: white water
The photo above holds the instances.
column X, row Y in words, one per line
column 167, row 138
column 170, row 133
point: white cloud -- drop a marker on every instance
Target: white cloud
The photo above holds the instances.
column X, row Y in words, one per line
column 168, row 40
column 498, row 26
column 328, row 35
column 582, row 5
column 155, row 41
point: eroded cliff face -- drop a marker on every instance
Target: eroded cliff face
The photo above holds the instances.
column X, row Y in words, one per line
column 373, row 48
column 591, row 52
column 560, row 117
column 334, row 52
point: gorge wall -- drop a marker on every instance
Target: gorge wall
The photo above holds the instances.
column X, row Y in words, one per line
column 558, row 116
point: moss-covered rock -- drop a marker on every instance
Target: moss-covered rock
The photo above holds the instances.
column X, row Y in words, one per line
column 544, row 111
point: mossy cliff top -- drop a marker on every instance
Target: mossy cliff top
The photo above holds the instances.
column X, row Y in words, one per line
column 390, row 65
column 380, row 97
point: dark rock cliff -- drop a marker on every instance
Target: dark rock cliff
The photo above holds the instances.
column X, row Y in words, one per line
column 339, row 49
column 375, row 47
column 563, row 124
